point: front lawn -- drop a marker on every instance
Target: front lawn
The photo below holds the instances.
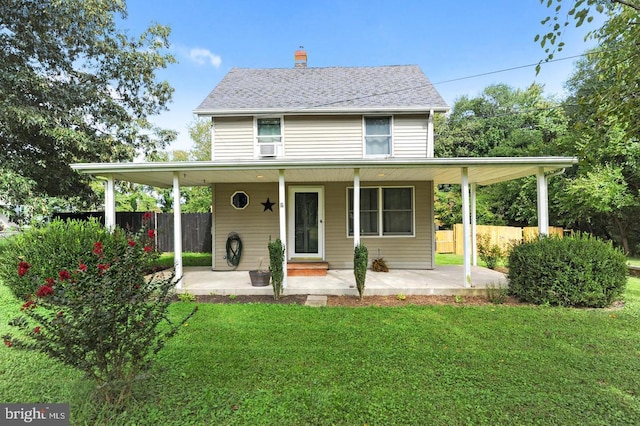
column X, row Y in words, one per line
column 188, row 259
column 436, row 365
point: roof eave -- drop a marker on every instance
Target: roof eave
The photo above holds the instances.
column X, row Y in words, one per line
column 91, row 168
column 319, row 111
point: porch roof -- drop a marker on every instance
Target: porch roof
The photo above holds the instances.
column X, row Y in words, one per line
column 481, row 170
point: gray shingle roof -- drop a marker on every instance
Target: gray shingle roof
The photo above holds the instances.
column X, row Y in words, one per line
column 317, row 89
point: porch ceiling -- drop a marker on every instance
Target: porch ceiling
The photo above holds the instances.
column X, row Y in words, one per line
column 482, row 171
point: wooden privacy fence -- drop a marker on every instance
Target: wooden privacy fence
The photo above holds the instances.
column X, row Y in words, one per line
column 196, row 228
column 196, row 232
column 451, row 241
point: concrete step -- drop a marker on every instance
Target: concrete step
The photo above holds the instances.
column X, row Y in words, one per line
column 316, row 301
column 307, row 269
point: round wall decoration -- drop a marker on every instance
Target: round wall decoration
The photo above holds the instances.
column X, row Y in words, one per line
column 239, row 200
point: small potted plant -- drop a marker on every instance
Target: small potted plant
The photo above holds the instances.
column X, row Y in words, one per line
column 260, row 277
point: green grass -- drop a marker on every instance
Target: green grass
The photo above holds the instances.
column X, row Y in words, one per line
column 437, row 365
column 188, row 259
column 4, row 241
column 457, row 259
column 449, row 259
column 634, row 261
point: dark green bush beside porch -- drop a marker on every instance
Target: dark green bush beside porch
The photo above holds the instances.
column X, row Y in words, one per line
column 577, row 271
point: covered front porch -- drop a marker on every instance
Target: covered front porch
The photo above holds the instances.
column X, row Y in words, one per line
column 442, row 281
column 350, row 173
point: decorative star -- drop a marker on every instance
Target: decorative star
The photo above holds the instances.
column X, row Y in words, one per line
column 267, row 205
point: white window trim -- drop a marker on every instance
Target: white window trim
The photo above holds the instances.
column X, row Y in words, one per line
column 364, row 136
column 380, row 212
column 256, row 145
column 233, row 196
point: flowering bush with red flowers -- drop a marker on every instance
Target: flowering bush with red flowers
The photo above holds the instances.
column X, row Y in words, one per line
column 37, row 253
column 101, row 313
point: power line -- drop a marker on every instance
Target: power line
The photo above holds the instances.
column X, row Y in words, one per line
column 517, row 68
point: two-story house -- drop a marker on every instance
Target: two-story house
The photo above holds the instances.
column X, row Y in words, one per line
column 325, row 158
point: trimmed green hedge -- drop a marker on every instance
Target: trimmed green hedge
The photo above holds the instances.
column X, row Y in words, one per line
column 574, row 271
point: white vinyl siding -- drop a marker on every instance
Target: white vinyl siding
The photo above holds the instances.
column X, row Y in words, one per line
column 253, row 224
column 308, row 137
column 233, row 138
column 323, row 137
column 410, row 136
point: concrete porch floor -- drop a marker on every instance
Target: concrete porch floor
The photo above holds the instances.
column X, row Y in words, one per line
column 445, row 280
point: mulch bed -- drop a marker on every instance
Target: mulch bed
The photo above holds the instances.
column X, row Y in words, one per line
column 354, row 301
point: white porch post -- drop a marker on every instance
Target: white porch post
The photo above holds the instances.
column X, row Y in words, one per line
column 356, row 207
column 282, row 194
column 213, row 227
column 543, row 203
column 110, row 204
column 474, row 231
column 466, row 251
column 177, row 230
column 430, row 141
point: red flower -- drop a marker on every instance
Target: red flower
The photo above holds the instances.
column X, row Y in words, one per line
column 146, row 216
column 7, row 343
column 64, row 275
column 36, row 330
column 50, row 282
column 44, row 291
column 147, row 249
column 131, row 243
column 29, row 304
column 151, row 233
column 82, row 267
column 102, row 267
column 23, row 268
column 97, row 248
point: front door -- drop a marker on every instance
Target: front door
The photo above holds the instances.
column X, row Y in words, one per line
column 306, row 222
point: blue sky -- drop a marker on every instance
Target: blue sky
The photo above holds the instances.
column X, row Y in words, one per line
column 447, row 39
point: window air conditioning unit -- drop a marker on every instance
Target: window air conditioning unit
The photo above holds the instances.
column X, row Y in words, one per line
column 268, row 149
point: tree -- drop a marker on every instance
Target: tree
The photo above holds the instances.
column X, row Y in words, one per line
column 501, row 121
column 617, row 56
column 74, row 87
column 199, row 130
column 604, row 197
column 195, row 199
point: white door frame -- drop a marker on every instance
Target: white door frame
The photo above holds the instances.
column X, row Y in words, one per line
column 293, row 189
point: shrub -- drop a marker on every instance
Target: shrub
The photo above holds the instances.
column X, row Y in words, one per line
column 489, row 253
column 575, row 271
column 497, row 294
column 276, row 260
column 57, row 243
column 98, row 313
column 360, row 261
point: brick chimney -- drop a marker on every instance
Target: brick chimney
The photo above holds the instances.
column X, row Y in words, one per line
column 300, row 58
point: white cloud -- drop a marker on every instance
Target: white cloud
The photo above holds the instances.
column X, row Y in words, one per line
column 203, row 56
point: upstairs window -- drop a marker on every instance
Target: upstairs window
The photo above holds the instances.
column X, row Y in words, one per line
column 269, row 130
column 377, row 136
